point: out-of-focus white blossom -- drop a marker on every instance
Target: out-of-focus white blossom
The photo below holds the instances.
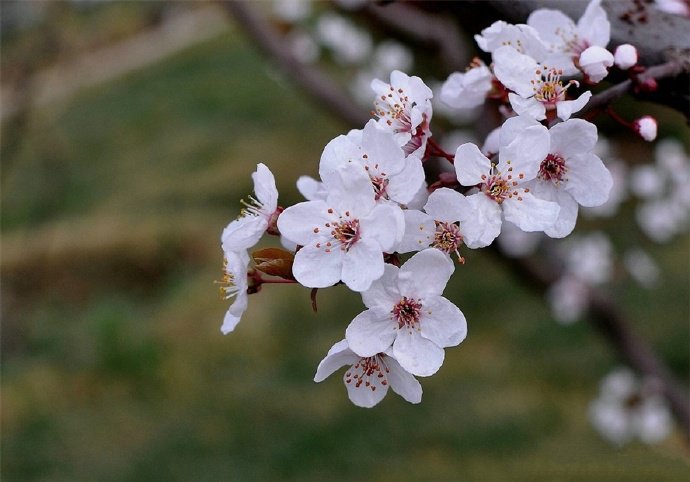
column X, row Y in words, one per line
column 568, row 298
column 642, row 267
column 590, row 258
column 303, row 46
column 646, row 127
column 516, row 243
column 625, row 56
column 349, row 44
column 674, row 7
column 627, row 409
column 292, row 10
column 646, row 181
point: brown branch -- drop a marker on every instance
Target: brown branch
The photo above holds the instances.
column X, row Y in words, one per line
column 601, row 100
column 425, row 28
column 309, row 79
column 604, row 315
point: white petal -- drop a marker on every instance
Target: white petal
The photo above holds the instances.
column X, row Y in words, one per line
column 265, row 188
column 311, row 189
column 553, row 27
column 405, row 185
column 594, row 62
column 337, row 153
column 234, row 314
column 362, row 264
column 470, row 164
column 425, row 274
column 416, row 354
column 515, row 70
column 383, row 293
column 482, row 230
column 589, row 181
column 567, row 214
column 381, row 148
column 448, row 206
column 350, row 189
column 243, row 233
column 385, row 225
column 315, row 268
column 297, row 223
column 371, row 332
column 529, row 213
column 402, row 382
column 419, row 231
column 338, row 356
column 442, row 322
column 594, row 25
column 573, row 137
column 524, row 143
column 364, row 395
column 529, row 107
column 566, row 108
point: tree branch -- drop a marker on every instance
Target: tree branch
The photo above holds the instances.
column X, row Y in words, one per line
column 309, row 79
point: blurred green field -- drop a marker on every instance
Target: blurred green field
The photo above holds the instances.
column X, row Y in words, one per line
column 113, row 365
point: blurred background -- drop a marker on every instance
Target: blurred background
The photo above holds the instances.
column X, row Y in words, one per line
column 129, row 134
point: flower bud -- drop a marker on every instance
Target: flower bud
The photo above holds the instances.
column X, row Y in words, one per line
column 646, row 127
column 594, row 62
column 625, row 56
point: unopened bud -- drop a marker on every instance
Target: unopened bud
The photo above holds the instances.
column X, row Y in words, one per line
column 647, row 85
column 646, row 127
column 625, row 56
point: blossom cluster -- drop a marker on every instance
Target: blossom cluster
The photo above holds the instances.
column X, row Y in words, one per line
column 378, row 221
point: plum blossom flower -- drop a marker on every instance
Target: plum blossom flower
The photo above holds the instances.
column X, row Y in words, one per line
column 368, row 378
column 595, row 62
column 628, row 408
column 502, row 191
column 646, row 127
column 234, row 285
column 571, row 174
column 537, row 88
column 469, row 89
column 406, row 311
column 446, row 225
column 625, row 56
column 403, row 107
column 393, row 176
column 561, row 35
column 258, row 215
column 345, row 236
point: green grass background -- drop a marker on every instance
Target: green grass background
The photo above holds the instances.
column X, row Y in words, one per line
column 113, row 365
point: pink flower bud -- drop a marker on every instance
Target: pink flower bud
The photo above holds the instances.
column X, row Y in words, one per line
column 625, row 56
column 646, row 126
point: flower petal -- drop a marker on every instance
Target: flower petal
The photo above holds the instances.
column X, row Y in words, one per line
column 442, row 322
column 524, row 143
column 486, row 226
column 243, row 233
column 589, row 181
column 419, row 231
column 448, row 206
column 362, row 264
column 364, row 395
column 529, row 107
column 315, row 268
column 566, row 108
column 265, row 188
column 385, row 225
column 371, row 332
column 470, row 164
column 338, row 356
column 297, row 223
column 515, row 70
column 416, row 354
column 573, row 137
column 425, row 274
column 529, row 213
column 402, row 382
column 383, row 293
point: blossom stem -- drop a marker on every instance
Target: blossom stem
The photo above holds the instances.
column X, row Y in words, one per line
column 437, row 151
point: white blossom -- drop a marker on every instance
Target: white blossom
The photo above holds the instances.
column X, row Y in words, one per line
column 345, row 236
column 571, row 174
column 258, row 215
column 406, row 311
column 404, row 107
column 642, row 267
column 349, row 44
column 467, row 90
column 625, row 56
column 568, row 298
column 234, row 285
column 537, row 88
column 627, row 409
column 646, row 127
column 502, row 191
column 595, row 62
column 393, row 175
column 368, row 378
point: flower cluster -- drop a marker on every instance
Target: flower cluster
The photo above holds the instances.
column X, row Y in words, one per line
column 384, row 224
